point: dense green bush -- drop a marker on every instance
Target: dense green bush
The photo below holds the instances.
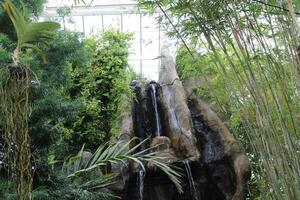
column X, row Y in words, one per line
column 74, row 97
column 100, row 85
column 59, row 191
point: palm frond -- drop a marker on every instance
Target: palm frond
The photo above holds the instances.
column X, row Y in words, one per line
column 99, row 182
column 120, row 152
column 16, row 17
column 39, row 32
column 29, row 32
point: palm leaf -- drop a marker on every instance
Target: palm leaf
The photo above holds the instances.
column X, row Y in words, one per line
column 39, row 31
column 29, row 32
column 16, row 17
column 121, row 152
column 99, row 182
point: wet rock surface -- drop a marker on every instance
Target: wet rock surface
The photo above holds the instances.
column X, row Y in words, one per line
column 162, row 146
column 158, row 186
column 176, row 116
column 228, row 166
column 186, row 133
column 122, row 170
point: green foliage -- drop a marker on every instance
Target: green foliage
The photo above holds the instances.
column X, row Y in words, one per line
column 6, row 47
column 61, row 191
column 101, row 85
column 67, row 192
column 74, row 97
column 63, row 11
column 14, row 93
column 200, row 67
column 120, row 101
column 33, row 7
column 53, row 110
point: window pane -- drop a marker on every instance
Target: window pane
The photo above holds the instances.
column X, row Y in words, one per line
column 92, row 24
column 112, row 21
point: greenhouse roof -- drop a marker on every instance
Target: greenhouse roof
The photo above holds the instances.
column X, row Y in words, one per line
column 124, row 15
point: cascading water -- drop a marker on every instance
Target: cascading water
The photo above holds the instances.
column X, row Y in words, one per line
column 192, row 188
column 140, row 120
column 153, row 86
column 2, row 155
column 140, row 133
column 140, row 181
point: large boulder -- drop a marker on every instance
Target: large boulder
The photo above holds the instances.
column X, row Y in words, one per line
column 121, row 169
column 221, row 153
column 177, row 120
column 162, row 146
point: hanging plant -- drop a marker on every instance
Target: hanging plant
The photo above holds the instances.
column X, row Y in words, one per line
column 14, row 92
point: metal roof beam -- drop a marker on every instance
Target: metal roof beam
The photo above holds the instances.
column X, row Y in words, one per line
column 111, row 9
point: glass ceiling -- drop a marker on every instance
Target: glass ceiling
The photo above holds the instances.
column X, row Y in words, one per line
column 98, row 15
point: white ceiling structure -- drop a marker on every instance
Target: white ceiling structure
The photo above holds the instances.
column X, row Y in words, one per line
column 124, row 15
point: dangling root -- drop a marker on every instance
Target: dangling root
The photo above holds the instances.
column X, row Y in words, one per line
column 14, row 92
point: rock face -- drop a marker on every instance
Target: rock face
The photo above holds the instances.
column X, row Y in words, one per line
column 122, row 170
column 187, row 134
column 162, row 145
column 176, row 116
column 227, row 165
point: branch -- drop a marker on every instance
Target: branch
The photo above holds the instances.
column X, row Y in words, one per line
column 274, row 6
column 174, row 27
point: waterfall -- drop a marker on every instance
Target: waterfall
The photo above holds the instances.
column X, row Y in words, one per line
column 140, row 181
column 153, row 86
column 2, row 153
column 137, row 115
column 140, row 133
column 192, row 188
column 140, row 171
column 181, row 130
